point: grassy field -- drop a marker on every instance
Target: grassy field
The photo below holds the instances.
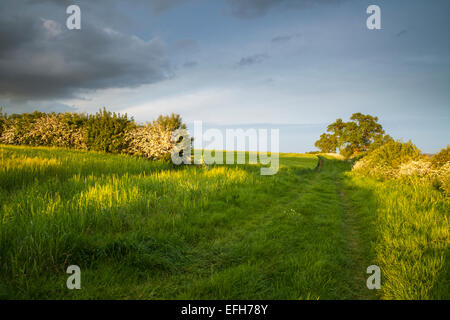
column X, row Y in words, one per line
column 148, row 230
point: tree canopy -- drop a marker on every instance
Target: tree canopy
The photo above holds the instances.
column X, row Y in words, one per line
column 362, row 133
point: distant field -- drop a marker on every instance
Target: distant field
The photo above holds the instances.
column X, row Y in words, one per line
column 149, row 230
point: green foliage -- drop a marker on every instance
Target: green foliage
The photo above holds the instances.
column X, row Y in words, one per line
column 379, row 141
column 106, row 131
column 327, row 143
column 361, row 134
column 387, row 159
column 441, row 163
column 441, row 158
column 170, row 122
column 394, row 154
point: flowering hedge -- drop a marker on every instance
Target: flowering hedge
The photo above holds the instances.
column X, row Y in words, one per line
column 384, row 162
column 103, row 131
column 152, row 141
column 397, row 160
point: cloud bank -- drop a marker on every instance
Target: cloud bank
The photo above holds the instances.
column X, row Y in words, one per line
column 41, row 59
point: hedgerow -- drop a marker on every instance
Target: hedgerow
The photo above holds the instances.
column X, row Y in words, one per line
column 397, row 160
column 104, row 131
column 385, row 161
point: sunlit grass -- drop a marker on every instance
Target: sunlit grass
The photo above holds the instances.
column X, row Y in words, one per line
column 151, row 230
column 410, row 237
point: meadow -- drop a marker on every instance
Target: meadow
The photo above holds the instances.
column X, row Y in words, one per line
column 143, row 229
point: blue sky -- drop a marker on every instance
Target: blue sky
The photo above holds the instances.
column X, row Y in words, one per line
column 292, row 65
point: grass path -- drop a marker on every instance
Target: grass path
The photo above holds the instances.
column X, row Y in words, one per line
column 358, row 259
column 319, row 164
column 358, row 263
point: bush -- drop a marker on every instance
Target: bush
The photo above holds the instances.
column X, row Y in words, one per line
column 152, row 141
column 9, row 133
column 441, row 158
column 400, row 160
column 18, row 127
column 56, row 130
column 40, row 129
column 444, row 178
column 385, row 161
column 105, row 131
column 419, row 168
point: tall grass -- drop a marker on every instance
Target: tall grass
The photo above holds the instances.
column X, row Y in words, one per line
column 127, row 221
column 409, row 235
column 142, row 229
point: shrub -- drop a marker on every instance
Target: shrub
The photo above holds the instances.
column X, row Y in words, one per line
column 385, row 161
column 9, row 134
column 55, row 130
column 154, row 141
column 150, row 141
column 105, row 131
column 441, row 158
column 443, row 178
column 419, row 168
column 40, row 129
column 18, row 127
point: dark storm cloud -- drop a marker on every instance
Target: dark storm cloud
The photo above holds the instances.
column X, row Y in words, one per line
column 255, row 8
column 41, row 59
column 253, row 59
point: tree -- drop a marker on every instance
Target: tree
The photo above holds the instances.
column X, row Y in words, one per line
column 327, row 143
column 361, row 134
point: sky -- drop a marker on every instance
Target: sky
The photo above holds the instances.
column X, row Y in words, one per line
column 294, row 65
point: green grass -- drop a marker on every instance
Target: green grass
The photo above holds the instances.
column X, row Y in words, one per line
column 149, row 230
column 411, row 242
